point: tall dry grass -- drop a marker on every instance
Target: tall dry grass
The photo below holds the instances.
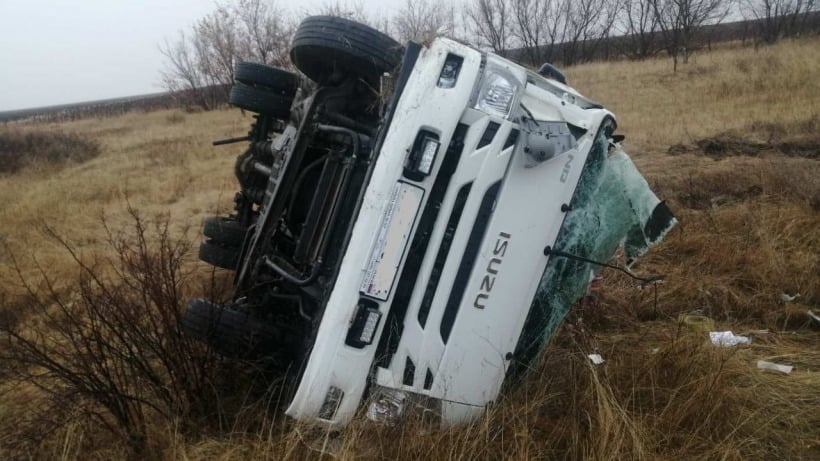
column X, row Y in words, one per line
column 716, row 140
column 730, row 89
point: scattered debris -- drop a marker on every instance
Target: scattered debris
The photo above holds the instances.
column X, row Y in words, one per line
column 787, row 298
column 728, row 339
column 596, row 359
column 813, row 316
column 697, row 322
column 764, row 365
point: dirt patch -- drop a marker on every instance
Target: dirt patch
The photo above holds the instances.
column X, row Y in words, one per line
column 730, row 145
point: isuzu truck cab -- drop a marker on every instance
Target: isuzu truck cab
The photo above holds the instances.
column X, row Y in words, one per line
column 413, row 222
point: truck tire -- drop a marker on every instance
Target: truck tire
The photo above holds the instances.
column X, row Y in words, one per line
column 323, row 45
column 229, row 332
column 269, row 77
column 224, row 230
column 218, row 255
column 261, row 101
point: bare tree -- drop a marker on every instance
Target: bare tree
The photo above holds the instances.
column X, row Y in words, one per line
column 420, row 19
column 355, row 11
column 183, row 75
column 679, row 19
column 217, row 41
column 199, row 65
column 586, row 24
column 534, row 28
column 777, row 18
column 489, row 22
column 639, row 26
column 265, row 32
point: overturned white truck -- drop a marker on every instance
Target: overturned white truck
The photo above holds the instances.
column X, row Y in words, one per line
column 413, row 222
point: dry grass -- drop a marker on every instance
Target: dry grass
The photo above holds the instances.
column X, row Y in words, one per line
column 730, row 89
column 748, row 207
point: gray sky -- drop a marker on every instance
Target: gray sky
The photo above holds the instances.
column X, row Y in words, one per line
column 64, row 51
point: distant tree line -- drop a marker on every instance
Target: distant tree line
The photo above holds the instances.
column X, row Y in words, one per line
column 101, row 108
column 530, row 31
column 198, row 70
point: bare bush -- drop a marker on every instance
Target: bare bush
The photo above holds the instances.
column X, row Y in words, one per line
column 112, row 348
column 19, row 149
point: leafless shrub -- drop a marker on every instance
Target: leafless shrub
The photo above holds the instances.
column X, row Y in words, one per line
column 19, row 149
column 112, row 348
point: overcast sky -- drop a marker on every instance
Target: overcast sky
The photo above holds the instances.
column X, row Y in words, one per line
column 64, row 51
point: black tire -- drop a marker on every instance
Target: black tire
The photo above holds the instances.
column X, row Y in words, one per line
column 224, row 230
column 323, row 45
column 228, row 331
column 272, row 78
column 222, row 256
column 261, row 101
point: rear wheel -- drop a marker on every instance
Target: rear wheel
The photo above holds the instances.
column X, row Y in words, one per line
column 229, row 332
column 325, row 45
column 219, row 255
column 269, row 77
column 260, row 100
column 224, row 230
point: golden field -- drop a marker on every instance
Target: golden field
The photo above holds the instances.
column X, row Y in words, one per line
column 731, row 141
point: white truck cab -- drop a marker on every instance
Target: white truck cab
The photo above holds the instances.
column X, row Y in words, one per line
column 421, row 260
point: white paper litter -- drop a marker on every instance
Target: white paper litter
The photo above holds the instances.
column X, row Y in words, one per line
column 764, row 365
column 814, row 316
column 787, row 298
column 596, row 359
column 728, row 339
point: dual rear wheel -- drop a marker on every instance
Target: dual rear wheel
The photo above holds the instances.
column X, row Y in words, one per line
column 326, row 49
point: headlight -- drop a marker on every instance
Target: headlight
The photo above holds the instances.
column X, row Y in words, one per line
column 387, row 406
column 391, row 406
column 498, row 91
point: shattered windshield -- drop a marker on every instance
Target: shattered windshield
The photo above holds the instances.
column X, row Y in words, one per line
column 612, row 207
